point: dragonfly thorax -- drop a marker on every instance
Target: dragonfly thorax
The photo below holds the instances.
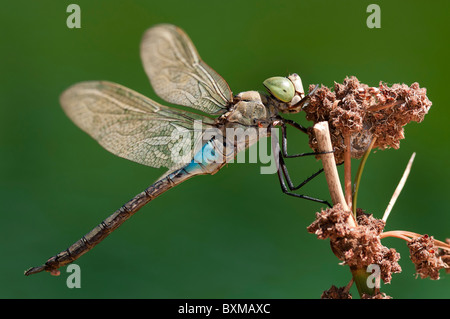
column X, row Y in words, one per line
column 251, row 109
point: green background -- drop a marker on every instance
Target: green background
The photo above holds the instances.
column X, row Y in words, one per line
column 234, row 234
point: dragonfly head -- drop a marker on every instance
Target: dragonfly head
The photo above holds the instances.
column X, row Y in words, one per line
column 287, row 90
column 280, row 87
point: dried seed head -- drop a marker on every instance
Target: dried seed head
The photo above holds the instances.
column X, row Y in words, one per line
column 425, row 255
column 380, row 295
column 357, row 247
column 330, row 223
column 365, row 113
column 336, row 293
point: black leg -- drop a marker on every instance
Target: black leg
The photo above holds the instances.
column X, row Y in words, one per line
column 284, row 140
column 305, row 101
column 283, row 172
column 296, row 125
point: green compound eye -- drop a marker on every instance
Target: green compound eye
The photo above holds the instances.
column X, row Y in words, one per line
column 280, row 87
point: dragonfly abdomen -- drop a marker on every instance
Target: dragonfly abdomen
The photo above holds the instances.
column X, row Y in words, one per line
column 102, row 230
column 204, row 162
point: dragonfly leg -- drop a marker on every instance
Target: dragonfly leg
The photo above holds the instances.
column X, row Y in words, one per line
column 284, row 140
column 305, row 101
column 283, row 174
column 296, row 125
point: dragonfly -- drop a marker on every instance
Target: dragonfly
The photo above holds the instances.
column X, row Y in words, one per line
column 139, row 129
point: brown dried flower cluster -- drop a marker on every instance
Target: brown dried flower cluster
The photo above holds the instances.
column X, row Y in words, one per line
column 380, row 295
column 357, row 247
column 426, row 257
column 336, row 293
column 366, row 113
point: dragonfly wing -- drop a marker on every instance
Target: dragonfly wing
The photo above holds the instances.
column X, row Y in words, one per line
column 178, row 74
column 133, row 126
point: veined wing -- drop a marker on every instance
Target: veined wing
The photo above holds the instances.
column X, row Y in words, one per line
column 133, row 126
column 178, row 74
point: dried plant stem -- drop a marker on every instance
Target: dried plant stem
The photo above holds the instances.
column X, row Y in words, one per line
column 396, row 234
column 399, row 188
column 360, row 276
column 348, row 171
column 359, row 174
column 349, row 285
column 382, row 107
column 407, row 236
column 322, row 134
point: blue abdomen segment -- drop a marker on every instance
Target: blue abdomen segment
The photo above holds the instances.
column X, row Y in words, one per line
column 204, row 158
column 206, row 161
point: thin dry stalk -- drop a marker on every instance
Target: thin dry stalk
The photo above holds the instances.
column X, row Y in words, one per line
column 397, row 234
column 349, row 285
column 399, row 188
column 376, row 108
column 359, row 174
column 408, row 236
column 348, row 171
